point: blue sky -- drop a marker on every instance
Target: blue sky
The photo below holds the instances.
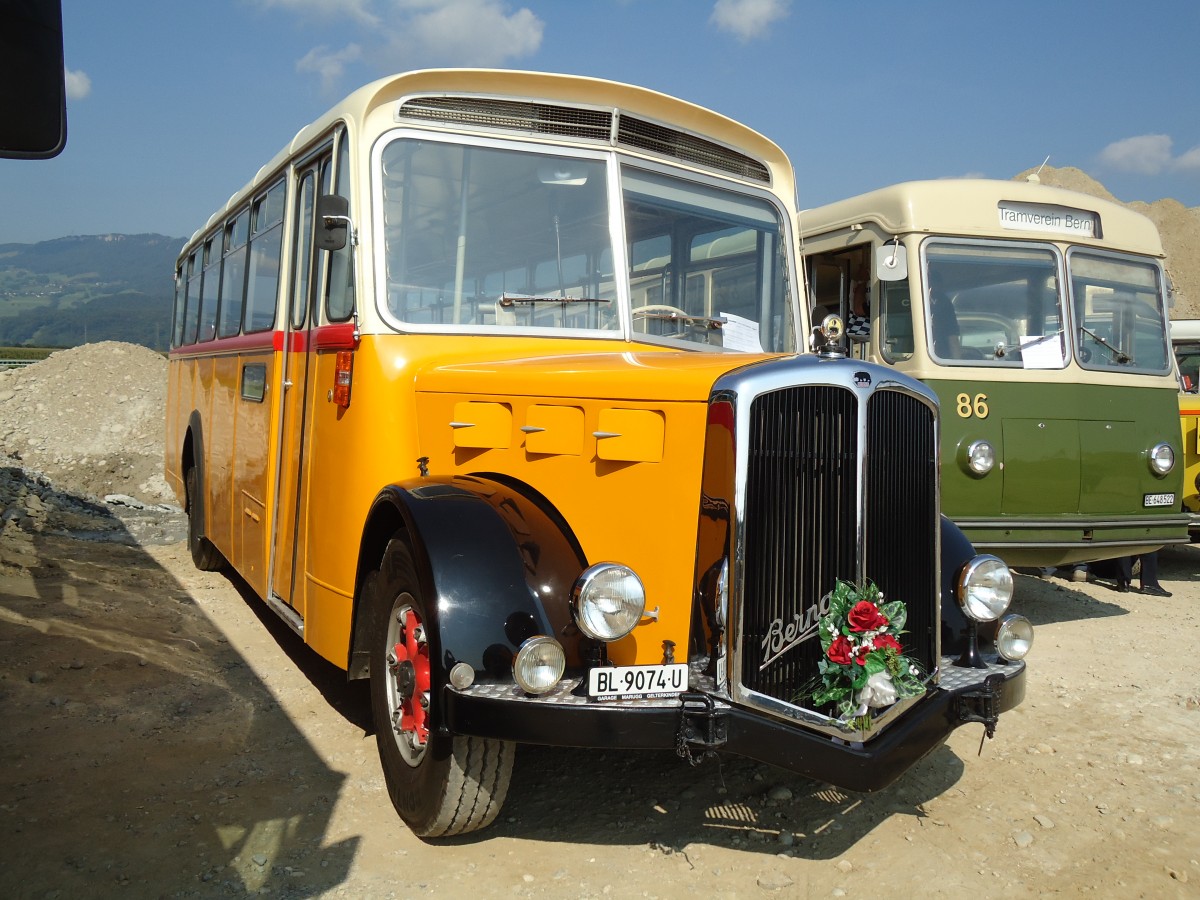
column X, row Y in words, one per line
column 173, row 106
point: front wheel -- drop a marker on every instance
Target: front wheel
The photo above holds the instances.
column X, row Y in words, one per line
column 441, row 785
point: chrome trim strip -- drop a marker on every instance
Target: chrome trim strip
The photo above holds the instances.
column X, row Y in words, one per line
column 1059, row 523
column 285, row 612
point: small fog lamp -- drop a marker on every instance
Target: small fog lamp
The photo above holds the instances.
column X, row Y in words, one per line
column 1014, row 637
column 1162, row 459
column 608, row 601
column 981, row 457
column 985, row 588
column 539, row 664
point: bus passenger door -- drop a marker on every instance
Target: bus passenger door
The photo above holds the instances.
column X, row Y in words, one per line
column 286, row 552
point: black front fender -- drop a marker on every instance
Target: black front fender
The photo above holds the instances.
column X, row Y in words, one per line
column 496, row 567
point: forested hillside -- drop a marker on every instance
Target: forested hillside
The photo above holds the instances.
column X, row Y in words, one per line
column 75, row 290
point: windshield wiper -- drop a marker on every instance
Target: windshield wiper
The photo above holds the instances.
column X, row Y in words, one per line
column 507, row 299
column 710, row 322
column 1119, row 355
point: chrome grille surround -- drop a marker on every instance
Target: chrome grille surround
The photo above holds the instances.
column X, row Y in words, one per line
column 612, row 127
column 826, row 455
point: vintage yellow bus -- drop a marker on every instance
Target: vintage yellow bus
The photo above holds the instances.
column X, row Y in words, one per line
column 1185, row 340
column 1038, row 316
column 490, row 385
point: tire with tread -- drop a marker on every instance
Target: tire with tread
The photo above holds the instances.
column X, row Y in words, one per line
column 450, row 784
column 205, row 555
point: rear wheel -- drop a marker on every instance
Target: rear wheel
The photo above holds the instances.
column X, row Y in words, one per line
column 441, row 785
column 205, row 555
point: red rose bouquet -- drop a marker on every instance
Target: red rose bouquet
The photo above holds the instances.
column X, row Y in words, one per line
column 863, row 666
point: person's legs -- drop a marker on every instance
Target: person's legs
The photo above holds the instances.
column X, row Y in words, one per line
column 1149, row 576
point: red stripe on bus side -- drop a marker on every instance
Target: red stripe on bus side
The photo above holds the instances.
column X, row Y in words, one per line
column 241, row 343
column 340, row 336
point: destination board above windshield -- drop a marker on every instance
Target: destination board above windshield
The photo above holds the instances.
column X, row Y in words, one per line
column 1049, row 219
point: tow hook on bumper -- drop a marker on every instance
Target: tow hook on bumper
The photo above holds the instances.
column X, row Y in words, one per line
column 701, row 726
column 982, row 705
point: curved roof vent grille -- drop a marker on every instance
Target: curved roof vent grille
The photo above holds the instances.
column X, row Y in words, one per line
column 585, row 124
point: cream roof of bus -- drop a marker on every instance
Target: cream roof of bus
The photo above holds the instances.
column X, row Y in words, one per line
column 375, row 101
column 967, row 207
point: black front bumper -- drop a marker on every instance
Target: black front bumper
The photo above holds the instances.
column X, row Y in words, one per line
column 707, row 723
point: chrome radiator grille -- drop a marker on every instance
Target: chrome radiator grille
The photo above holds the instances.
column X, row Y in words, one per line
column 806, row 449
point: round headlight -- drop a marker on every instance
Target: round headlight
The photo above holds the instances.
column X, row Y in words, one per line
column 981, row 456
column 1014, row 637
column 985, row 588
column 539, row 664
column 1162, row 459
column 608, row 601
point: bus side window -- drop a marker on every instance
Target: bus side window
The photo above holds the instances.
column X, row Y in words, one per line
column 895, row 322
column 192, row 322
column 233, row 276
column 339, row 289
column 210, row 288
column 180, row 293
column 262, row 288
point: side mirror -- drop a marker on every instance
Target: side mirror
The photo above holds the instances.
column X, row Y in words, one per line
column 33, row 105
column 891, row 261
column 334, row 226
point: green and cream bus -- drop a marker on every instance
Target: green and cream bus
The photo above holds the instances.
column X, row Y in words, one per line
column 1038, row 316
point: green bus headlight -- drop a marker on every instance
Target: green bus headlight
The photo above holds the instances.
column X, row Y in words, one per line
column 981, row 457
column 1162, row 459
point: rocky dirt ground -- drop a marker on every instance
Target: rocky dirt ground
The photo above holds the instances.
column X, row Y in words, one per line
column 163, row 735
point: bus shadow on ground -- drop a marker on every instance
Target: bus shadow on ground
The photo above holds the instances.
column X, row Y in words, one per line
column 656, row 799
column 1050, row 600
column 140, row 751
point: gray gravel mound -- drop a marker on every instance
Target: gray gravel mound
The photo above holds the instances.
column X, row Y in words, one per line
column 81, row 426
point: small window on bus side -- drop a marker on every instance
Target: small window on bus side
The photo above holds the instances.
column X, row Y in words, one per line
column 233, row 275
column 193, row 298
column 180, row 295
column 266, row 241
column 895, row 322
column 210, row 290
column 339, row 289
column 303, row 242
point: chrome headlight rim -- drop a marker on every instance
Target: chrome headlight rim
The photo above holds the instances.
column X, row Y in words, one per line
column 539, row 664
column 1014, row 637
column 589, row 592
column 1161, row 459
column 979, row 457
column 985, row 588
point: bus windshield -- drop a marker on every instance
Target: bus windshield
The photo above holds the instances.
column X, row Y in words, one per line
column 1119, row 321
column 486, row 239
column 1001, row 304
column 995, row 304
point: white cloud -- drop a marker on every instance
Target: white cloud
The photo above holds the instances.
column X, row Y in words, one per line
column 1190, row 161
column 1147, row 154
column 461, row 32
column 329, row 66
column 78, row 85
column 748, row 19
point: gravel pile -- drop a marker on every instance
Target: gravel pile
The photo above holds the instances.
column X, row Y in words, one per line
column 81, row 445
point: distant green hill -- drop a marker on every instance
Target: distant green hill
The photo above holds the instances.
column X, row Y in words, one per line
column 76, row 290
